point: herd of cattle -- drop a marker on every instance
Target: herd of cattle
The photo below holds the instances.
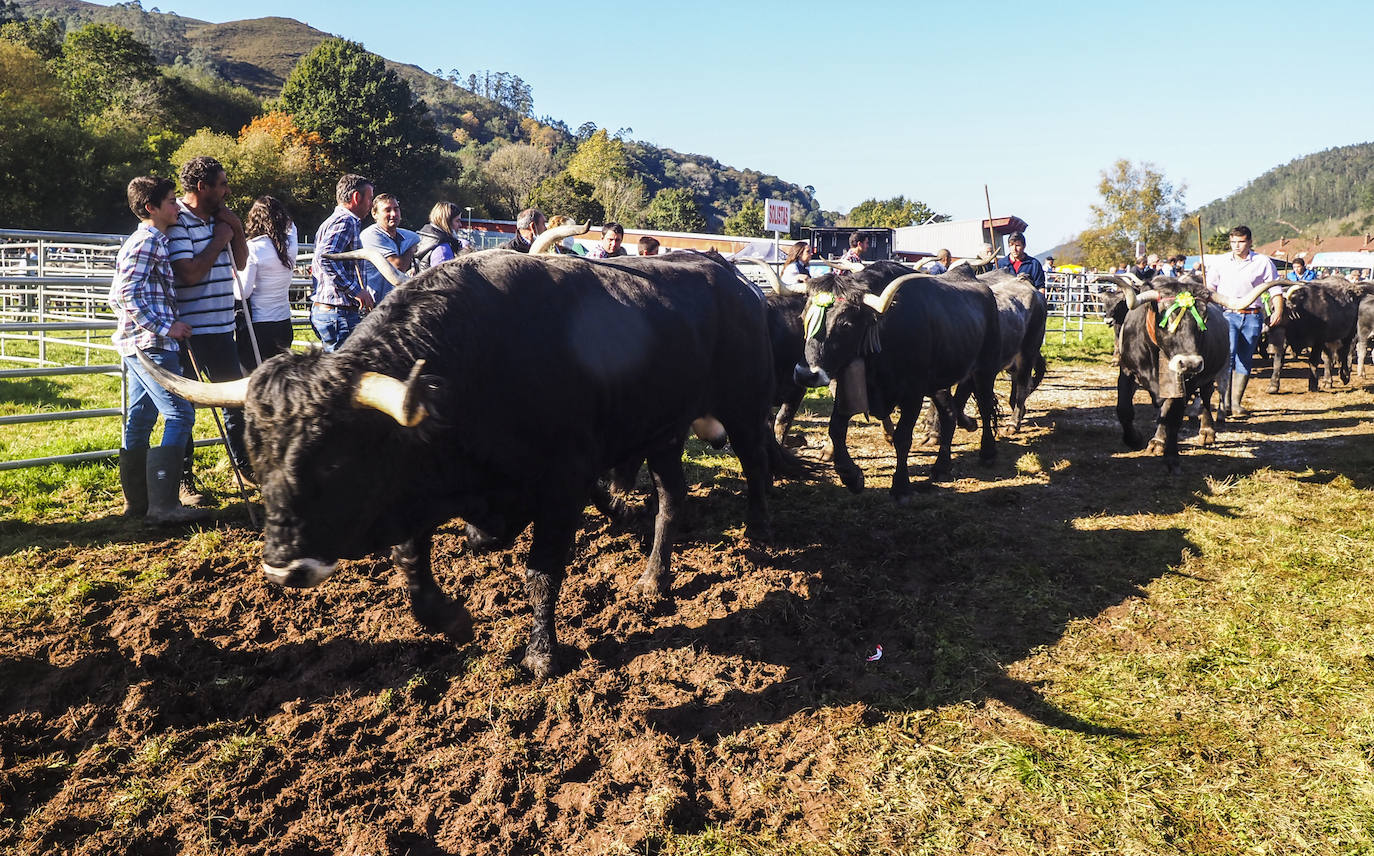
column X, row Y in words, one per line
column 501, row 388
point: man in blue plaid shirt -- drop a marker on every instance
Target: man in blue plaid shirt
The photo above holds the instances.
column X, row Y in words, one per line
column 338, row 291
column 144, row 303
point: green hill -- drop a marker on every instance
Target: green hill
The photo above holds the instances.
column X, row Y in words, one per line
column 259, row 54
column 1333, row 185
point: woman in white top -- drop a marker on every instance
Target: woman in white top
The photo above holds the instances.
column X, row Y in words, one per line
column 796, row 269
column 266, row 281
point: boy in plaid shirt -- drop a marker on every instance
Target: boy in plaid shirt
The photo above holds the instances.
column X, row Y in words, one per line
column 144, row 303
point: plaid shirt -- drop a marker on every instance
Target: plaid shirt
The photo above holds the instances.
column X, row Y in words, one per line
column 142, row 295
column 336, row 283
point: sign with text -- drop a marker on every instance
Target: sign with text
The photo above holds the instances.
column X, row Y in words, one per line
column 777, row 215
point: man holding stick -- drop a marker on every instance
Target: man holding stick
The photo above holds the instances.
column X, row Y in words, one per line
column 207, row 245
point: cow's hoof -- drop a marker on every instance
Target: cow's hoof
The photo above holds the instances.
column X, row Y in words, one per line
column 1207, row 436
column 1155, row 447
column 1274, row 388
column 828, row 452
column 968, row 423
column 539, row 662
column 648, row 589
column 930, row 440
column 854, row 480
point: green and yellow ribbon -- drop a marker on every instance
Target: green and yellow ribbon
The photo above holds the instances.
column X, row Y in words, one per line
column 814, row 316
column 1174, row 315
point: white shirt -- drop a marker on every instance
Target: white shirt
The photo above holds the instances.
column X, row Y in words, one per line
column 266, row 281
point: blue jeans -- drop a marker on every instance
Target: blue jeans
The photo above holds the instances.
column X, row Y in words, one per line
column 219, row 359
column 147, row 399
column 1245, row 332
column 333, row 325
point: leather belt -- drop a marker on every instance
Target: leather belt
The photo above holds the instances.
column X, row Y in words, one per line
column 1245, row 311
column 328, row 306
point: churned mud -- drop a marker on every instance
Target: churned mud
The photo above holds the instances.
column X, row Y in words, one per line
column 181, row 704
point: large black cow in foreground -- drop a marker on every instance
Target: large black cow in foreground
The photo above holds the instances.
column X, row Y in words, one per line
column 496, row 388
column 1320, row 317
column 1174, row 344
column 913, row 339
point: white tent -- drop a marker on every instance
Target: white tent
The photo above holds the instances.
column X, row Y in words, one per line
column 1355, row 259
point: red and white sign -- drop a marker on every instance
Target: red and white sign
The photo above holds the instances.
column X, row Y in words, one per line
column 777, row 215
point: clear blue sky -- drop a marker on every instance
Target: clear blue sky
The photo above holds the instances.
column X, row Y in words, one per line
column 931, row 101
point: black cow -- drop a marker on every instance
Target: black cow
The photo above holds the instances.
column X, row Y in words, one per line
column 1114, row 311
column 528, row 377
column 785, row 306
column 1364, row 330
column 1320, row 317
column 1174, row 344
column 1022, row 313
column 920, row 336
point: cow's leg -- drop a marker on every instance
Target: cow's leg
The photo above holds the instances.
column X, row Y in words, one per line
column 787, row 411
column 930, row 426
column 901, row 446
column 1278, row 342
column 1343, row 355
column 1170, row 422
column 1125, row 411
column 554, row 530
column 944, row 409
column 987, row 409
column 1206, row 432
column 962, row 393
column 1020, row 373
column 666, row 467
column 850, row 475
column 428, row 604
column 1361, row 348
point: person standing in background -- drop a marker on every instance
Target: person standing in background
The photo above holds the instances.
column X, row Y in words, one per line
column 265, row 286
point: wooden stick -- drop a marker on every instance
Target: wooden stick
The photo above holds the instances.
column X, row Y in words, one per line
column 1201, row 250
column 991, row 239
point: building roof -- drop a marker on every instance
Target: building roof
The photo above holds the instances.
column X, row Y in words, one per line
column 1287, row 249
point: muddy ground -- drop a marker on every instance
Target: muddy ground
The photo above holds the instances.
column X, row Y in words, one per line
column 187, row 706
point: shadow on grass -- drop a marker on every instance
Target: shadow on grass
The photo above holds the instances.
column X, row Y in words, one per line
column 32, row 391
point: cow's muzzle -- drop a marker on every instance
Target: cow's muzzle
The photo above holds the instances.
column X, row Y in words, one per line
column 1185, row 365
column 804, row 375
column 301, row 573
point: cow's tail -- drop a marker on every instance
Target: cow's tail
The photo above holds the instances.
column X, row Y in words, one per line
column 1037, row 374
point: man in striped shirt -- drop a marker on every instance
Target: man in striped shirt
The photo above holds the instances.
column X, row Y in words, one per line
column 338, row 291
column 207, row 248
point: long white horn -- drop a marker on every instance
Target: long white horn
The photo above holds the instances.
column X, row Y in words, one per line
column 880, row 303
column 391, row 396
column 778, row 286
column 1133, row 299
column 229, row 394
column 838, row 264
column 1236, row 304
column 549, row 237
column 393, row 274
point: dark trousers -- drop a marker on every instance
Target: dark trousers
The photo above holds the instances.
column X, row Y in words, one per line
column 273, row 338
column 217, row 357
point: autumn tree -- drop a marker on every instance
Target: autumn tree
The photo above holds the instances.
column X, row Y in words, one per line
column 1138, row 205
column 515, row 170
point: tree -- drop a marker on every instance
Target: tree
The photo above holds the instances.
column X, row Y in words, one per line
column 43, row 36
column 367, row 117
column 270, row 156
column 747, row 221
column 1138, row 204
column 36, row 132
column 674, row 210
column 892, row 213
column 516, row 170
column 599, row 157
column 623, row 199
column 104, row 66
column 563, row 194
